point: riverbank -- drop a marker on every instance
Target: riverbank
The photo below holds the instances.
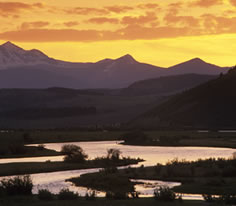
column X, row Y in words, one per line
column 155, row 138
column 10, row 169
column 181, row 139
column 34, row 201
column 32, row 151
column 212, row 176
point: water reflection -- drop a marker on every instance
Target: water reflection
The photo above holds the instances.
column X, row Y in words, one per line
column 152, row 155
column 55, row 181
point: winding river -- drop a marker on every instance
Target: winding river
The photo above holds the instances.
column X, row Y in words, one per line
column 55, row 181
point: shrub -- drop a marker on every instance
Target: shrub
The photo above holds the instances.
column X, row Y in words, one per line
column 113, row 154
column 234, row 156
column 73, row 153
column 20, row 185
column 208, row 198
column 66, row 194
column 90, row 195
column 119, row 195
column 164, row 194
column 41, row 147
column 45, row 194
column 226, row 198
column 109, row 195
column 135, row 194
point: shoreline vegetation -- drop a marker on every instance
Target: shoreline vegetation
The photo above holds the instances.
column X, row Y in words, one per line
column 209, row 177
column 13, row 142
column 74, row 159
column 35, row 201
column 18, row 190
column 32, row 151
column 136, row 138
column 180, row 139
column 10, row 169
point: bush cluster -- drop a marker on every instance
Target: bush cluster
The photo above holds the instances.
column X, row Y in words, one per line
column 90, row 195
column 164, row 194
column 45, row 194
column 226, row 198
column 66, row 194
column 73, row 153
column 20, row 185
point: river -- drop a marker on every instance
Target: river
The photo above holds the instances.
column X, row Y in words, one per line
column 55, row 181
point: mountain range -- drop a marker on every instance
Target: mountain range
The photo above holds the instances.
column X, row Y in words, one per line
column 21, row 68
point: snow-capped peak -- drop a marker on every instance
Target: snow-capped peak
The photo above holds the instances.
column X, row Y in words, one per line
column 11, row 55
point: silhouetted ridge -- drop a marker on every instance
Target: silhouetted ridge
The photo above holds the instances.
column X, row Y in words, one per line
column 16, row 63
column 127, row 59
column 210, row 105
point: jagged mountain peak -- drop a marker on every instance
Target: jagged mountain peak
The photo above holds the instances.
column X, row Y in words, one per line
column 127, row 59
column 12, row 55
column 196, row 60
column 11, row 47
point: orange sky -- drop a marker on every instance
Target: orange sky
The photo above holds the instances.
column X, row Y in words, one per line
column 163, row 32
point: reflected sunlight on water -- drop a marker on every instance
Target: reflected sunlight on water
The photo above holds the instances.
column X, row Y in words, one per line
column 55, row 181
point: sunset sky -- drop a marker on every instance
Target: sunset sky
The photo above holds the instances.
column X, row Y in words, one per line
column 161, row 32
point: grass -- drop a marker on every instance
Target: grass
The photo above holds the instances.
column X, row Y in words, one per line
column 41, row 167
column 32, row 151
column 212, row 176
column 169, row 138
column 34, row 201
column 56, row 136
column 187, row 139
column 109, row 181
column 202, row 186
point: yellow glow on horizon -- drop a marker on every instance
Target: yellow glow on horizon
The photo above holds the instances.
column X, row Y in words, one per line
column 167, row 30
column 164, row 52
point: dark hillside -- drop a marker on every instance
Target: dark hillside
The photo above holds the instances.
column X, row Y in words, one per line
column 211, row 105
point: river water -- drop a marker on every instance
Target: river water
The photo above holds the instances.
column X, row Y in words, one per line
column 55, row 181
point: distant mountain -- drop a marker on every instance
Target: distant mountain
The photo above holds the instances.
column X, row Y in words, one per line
column 196, row 66
column 122, row 72
column 12, row 56
column 107, row 73
column 167, row 85
column 211, row 105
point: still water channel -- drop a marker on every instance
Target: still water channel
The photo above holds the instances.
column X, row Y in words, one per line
column 55, row 181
